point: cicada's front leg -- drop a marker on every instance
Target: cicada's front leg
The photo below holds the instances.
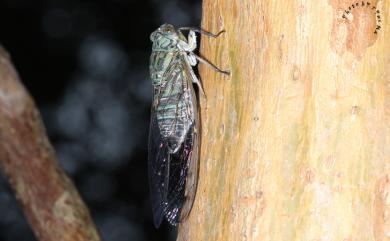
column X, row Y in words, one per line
column 191, row 45
column 198, row 30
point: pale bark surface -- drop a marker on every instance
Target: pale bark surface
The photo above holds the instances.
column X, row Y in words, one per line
column 296, row 142
column 48, row 198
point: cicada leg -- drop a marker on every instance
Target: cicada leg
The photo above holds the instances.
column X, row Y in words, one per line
column 208, row 63
column 192, row 61
column 192, row 45
column 198, row 30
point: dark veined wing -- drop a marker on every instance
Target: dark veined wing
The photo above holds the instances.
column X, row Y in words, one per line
column 173, row 176
column 157, row 167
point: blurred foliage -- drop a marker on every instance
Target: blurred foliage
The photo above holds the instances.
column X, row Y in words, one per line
column 86, row 65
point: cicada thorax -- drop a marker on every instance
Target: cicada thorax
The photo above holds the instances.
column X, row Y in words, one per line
column 165, row 52
column 160, row 62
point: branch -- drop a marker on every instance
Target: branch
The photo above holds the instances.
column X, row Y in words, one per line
column 295, row 142
column 48, row 198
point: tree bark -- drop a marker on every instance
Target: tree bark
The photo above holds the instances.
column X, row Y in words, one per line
column 48, row 198
column 296, row 142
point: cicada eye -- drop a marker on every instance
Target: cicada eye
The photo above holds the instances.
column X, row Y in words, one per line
column 168, row 28
column 152, row 36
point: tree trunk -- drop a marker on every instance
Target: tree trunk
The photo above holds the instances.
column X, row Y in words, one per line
column 49, row 200
column 296, row 142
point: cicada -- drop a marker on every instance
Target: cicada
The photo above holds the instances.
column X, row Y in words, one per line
column 174, row 127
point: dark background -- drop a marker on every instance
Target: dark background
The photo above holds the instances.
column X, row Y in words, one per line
column 86, row 65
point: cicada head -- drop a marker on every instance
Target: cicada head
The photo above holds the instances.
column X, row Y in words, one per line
column 165, row 38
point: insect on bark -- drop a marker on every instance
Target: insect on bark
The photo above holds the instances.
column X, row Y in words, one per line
column 174, row 127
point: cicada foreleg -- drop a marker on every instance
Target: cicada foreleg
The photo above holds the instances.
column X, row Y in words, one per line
column 198, row 30
column 191, row 45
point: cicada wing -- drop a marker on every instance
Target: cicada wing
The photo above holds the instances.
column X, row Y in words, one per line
column 168, row 170
column 192, row 175
column 178, row 171
column 192, row 145
column 158, row 166
column 164, row 181
column 182, row 195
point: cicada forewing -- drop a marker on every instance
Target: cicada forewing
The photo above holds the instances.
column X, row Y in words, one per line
column 173, row 157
